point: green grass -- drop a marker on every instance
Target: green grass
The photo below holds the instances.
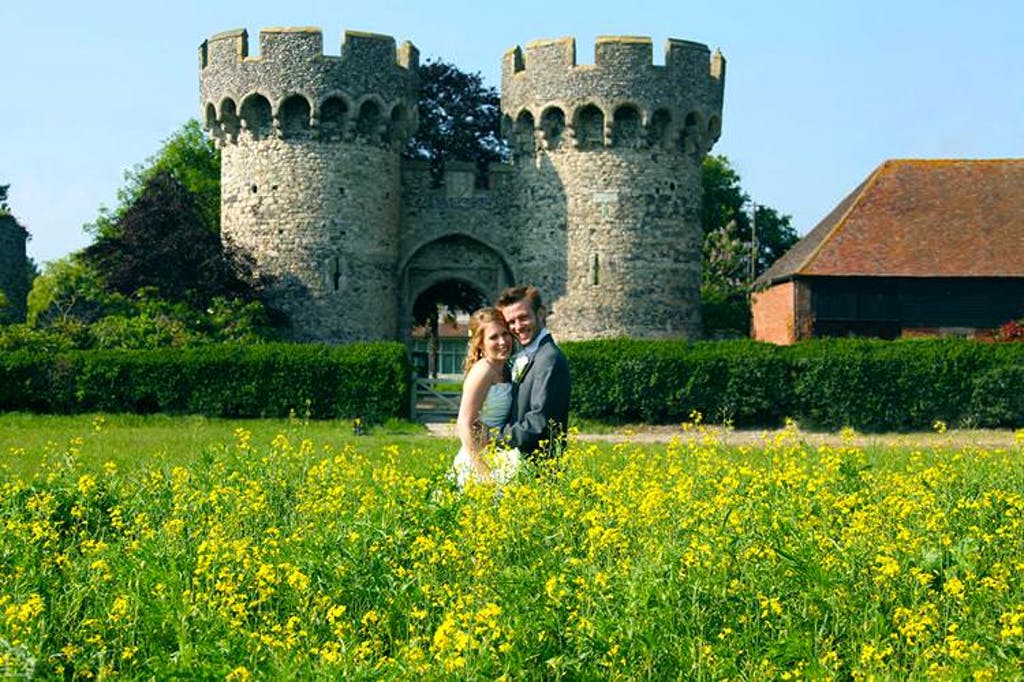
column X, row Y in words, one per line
column 132, row 441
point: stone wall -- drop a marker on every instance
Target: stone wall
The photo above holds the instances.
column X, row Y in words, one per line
column 13, row 262
column 322, row 221
column 455, row 231
column 310, row 180
column 633, row 245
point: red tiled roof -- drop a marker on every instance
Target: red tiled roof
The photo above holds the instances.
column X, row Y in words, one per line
column 920, row 218
column 446, row 330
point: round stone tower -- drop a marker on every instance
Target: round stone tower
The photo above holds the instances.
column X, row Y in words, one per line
column 608, row 166
column 310, row 180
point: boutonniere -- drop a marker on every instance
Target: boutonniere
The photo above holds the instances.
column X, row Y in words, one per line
column 519, row 368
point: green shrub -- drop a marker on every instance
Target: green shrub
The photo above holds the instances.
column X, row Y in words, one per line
column 997, row 398
column 368, row 380
column 828, row 383
column 868, row 385
column 885, row 385
column 667, row 381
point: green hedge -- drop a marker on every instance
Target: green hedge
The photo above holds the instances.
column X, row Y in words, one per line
column 367, row 380
column 997, row 398
column 667, row 381
column 891, row 386
column 869, row 385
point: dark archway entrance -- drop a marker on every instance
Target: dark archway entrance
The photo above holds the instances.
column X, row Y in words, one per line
column 444, row 279
column 439, row 334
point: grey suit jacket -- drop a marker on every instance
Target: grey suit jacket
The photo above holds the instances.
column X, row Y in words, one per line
column 540, row 403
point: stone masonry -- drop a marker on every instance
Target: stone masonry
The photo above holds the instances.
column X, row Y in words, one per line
column 599, row 207
column 13, row 261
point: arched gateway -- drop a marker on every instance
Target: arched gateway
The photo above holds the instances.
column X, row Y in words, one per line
column 457, row 270
column 456, row 273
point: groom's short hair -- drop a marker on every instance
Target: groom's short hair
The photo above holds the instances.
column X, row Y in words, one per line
column 513, row 295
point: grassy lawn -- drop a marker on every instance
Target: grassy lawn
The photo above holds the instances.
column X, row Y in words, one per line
column 133, row 441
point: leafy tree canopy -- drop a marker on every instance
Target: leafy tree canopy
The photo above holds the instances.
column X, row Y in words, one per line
column 192, row 160
column 163, row 240
column 730, row 221
column 70, row 307
column 69, row 290
column 4, row 207
column 156, row 273
column 459, row 119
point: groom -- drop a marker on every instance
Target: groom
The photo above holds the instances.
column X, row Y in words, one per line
column 540, row 373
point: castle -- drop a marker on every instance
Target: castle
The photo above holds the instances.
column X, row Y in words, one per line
column 599, row 206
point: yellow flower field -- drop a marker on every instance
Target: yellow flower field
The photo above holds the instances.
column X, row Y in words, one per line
column 693, row 560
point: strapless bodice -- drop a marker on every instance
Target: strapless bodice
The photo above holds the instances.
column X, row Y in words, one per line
column 497, row 403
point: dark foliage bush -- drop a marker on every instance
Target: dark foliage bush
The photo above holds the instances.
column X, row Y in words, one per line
column 888, row 386
column 868, row 385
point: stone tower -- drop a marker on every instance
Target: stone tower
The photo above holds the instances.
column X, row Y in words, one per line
column 600, row 206
column 13, row 264
column 608, row 162
column 310, row 176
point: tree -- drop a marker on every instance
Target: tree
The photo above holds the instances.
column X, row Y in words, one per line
column 156, row 272
column 4, row 206
column 163, row 240
column 727, row 208
column 69, row 291
column 191, row 158
column 459, row 119
column 70, row 306
column 31, row 272
column 165, row 232
column 733, row 255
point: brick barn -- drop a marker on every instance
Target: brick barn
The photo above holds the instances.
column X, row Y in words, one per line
column 920, row 248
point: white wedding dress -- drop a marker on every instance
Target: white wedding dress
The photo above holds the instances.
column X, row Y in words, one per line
column 504, row 464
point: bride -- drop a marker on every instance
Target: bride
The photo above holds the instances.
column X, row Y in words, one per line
column 486, row 401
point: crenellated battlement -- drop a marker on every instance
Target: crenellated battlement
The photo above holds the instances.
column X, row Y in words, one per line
column 546, row 57
column 306, row 42
column 678, row 102
column 629, row 52
column 366, row 92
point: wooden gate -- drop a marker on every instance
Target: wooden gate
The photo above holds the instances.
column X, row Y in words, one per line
column 432, row 401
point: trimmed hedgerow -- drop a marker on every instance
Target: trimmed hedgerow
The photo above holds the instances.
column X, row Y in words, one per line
column 365, row 380
column 890, row 386
column 997, row 398
column 665, row 381
column 868, row 385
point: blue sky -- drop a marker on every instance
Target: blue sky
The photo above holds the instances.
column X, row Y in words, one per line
column 817, row 93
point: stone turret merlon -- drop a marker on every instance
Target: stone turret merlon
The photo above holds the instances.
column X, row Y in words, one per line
column 292, row 85
column 681, row 99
